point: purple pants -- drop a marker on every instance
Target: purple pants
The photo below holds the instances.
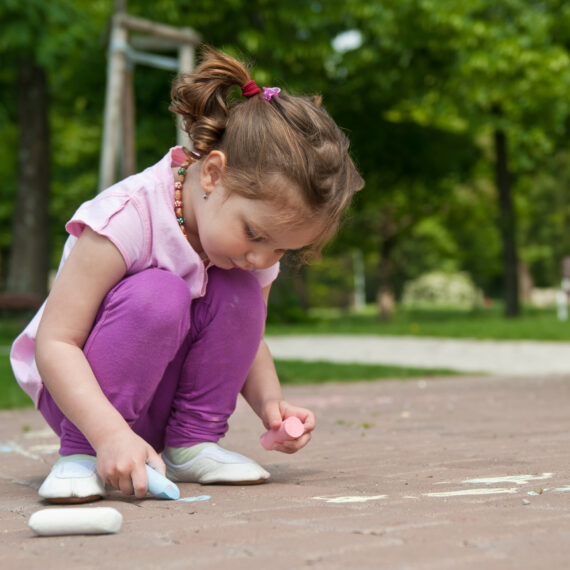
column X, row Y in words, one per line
column 172, row 366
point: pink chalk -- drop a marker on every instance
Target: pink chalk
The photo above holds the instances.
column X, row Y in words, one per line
column 291, row 428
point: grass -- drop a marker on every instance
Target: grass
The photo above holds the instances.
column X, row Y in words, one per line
column 11, row 395
column 319, row 372
column 483, row 323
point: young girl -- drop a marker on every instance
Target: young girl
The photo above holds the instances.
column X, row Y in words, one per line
column 155, row 321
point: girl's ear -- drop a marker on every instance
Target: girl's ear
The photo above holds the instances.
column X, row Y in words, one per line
column 211, row 171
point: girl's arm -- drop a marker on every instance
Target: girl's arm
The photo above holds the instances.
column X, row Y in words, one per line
column 262, row 391
column 93, row 267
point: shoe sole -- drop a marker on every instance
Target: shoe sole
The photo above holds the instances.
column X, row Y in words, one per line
column 237, row 483
column 73, row 500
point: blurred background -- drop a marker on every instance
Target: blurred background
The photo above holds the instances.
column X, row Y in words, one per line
column 458, row 112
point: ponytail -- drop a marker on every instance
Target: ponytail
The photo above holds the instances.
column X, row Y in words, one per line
column 201, row 98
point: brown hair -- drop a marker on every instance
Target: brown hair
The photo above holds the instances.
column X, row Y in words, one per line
column 289, row 137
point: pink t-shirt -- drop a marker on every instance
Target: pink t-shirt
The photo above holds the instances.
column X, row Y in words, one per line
column 137, row 216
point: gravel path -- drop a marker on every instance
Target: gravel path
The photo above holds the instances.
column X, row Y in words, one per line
column 488, row 356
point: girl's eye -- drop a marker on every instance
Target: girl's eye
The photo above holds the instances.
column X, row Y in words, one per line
column 251, row 235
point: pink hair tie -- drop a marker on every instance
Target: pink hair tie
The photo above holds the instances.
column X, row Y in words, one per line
column 250, row 89
column 269, row 92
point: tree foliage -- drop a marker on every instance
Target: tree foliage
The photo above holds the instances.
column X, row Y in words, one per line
column 420, row 92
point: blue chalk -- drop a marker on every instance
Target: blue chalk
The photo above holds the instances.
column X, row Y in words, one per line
column 160, row 486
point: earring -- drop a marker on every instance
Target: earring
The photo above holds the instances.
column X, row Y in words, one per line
column 205, row 196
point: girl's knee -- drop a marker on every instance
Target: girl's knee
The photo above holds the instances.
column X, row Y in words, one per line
column 155, row 296
column 238, row 295
column 242, row 291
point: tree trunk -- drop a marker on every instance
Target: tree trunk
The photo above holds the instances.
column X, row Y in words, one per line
column 386, row 298
column 29, row 254
column 300, row 284
column 508, row 227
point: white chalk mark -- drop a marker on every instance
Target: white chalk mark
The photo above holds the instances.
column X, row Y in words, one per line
column 517, row 479
column 563, row 489
column 47, row 448
column 42, row 433
column 6, row 449
column 359, row 499
column 484, row 491
column 18, row 481
column 18, row 449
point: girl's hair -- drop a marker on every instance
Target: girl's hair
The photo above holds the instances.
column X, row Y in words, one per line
column 287, row 138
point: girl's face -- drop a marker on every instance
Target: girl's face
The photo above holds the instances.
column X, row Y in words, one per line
column 235, row 231
column 250, row 234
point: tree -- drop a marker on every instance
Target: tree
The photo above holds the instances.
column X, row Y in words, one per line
column 495, row 71
column 424, row 92
column 41, row 47
column 29, row 255
column 410, row 164
column 513, row 80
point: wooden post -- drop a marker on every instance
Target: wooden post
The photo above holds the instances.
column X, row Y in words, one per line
column 128, row 157
column 185, row 65
column 116, row 67
column 180, row 35
column 118, row 144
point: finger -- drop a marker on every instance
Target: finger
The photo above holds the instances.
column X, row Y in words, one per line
column 293, row 445
column 155, row 461
column 125, row 485
column 309, row 422
column 302, row 441
column 139, row 480
column 124, row 481
column 273, row 417
column 305, row 415
column 110, row 479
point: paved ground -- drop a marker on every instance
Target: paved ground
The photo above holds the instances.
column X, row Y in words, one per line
column 461, row 473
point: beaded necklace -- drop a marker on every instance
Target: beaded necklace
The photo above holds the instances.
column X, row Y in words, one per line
column 191, row 157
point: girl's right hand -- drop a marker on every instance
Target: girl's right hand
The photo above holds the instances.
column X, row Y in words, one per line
column 121, row 460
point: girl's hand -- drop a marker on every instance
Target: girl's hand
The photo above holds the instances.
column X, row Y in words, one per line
column 121, row 460
column 275, row 411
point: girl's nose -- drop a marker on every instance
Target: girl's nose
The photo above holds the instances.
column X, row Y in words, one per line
column 262, row 259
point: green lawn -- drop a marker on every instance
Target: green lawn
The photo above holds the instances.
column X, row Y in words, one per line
column 319, row 372
column 484, row 323
column 11, row 395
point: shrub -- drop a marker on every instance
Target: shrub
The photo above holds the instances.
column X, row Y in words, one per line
column 438, row 289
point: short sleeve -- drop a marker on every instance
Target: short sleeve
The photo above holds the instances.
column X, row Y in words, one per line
column 267, row 276
column 120, row 219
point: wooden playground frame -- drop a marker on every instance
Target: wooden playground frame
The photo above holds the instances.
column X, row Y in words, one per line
column 125, row 50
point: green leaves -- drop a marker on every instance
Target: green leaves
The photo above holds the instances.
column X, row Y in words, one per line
column 419, row 98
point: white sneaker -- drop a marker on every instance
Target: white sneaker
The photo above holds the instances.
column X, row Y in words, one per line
column 73, row 479
column 215, row 464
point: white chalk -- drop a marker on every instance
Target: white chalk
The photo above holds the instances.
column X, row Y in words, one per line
column 73, row 520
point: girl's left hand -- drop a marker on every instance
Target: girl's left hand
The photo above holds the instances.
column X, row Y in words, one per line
column 278, row 410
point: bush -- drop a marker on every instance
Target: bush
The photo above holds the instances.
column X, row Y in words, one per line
column 440, row 290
